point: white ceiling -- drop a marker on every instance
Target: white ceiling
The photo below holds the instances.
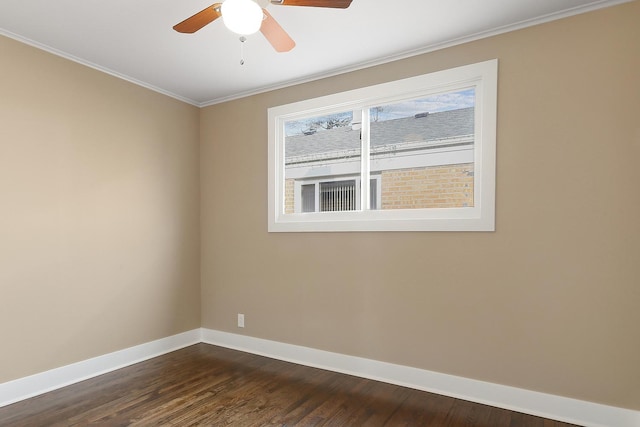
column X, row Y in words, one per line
column 134, row 40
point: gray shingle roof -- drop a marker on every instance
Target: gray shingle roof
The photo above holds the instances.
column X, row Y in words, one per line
column 430, row 127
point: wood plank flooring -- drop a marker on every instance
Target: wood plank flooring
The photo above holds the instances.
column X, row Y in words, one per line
column 205, row 385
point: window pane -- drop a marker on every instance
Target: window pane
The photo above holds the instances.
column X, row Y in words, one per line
column 423, row 150
column 309, row 198
column 320, row 148
column 338, row 196
column 373, row 194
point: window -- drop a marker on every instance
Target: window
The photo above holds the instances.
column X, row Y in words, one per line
column 335, row 195
column 414, row 154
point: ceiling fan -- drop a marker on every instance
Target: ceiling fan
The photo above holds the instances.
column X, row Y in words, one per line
column 246, row 17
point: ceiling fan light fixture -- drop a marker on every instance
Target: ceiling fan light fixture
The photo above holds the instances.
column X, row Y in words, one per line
column 243, row 17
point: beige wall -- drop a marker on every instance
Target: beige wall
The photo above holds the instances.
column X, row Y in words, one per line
column 549, row 302
column 99, row 213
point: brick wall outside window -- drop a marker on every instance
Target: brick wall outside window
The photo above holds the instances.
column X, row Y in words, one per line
column 446, row 186
column 288, row 196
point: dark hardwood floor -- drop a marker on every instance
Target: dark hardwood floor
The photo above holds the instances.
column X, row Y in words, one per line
column 205, row 385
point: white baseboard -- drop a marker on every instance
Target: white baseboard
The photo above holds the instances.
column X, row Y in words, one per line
column 525, row 401
column 24, row 388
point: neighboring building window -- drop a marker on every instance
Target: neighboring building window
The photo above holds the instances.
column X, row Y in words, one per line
column 418, row 154
column 338, row 196
column 308, row 196
column 329, row 195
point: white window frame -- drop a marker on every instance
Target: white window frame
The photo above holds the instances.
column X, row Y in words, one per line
column 482, row 77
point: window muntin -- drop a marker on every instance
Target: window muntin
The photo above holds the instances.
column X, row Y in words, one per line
column 394, row 133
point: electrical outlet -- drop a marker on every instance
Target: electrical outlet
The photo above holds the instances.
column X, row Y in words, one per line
column 240, row 320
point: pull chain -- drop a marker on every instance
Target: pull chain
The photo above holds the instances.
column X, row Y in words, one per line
column 242, row 40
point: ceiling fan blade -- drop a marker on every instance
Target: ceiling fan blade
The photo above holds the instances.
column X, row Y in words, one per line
column 275, row 34
column 338, row 4
column 199, row 20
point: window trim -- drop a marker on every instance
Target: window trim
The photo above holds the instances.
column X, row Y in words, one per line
column 481, row 217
